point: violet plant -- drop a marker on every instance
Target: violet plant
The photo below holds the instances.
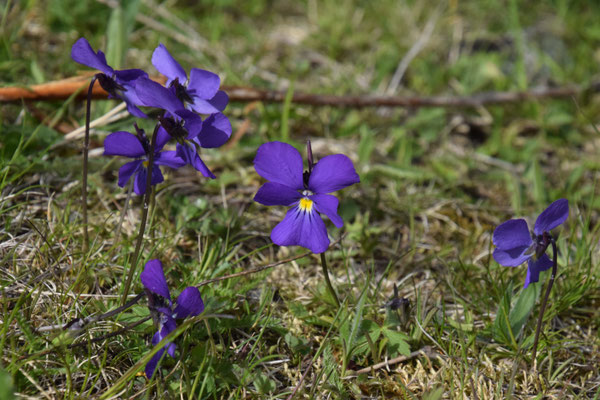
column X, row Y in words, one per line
column 516, row 245
column 118, row 84
column 181, row 102
column 306, row 192
column 189, row 304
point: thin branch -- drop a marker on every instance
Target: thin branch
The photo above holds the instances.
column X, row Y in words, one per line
column 299, row 385
column 427, row 350
column 61, row 90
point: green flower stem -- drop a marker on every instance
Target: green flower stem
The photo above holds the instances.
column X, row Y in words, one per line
column 329, row 286
column 147, row 201
column 86, row 149
column 545, row 301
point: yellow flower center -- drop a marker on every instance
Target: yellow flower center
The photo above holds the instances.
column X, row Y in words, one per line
column 306, row 204
column 145, row 164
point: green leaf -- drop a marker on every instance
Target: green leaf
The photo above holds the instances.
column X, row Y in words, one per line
column 263, row 384
column 519, row 314
column 434, row 394
column 6, row 386
column 397, row 342
column 502, row 330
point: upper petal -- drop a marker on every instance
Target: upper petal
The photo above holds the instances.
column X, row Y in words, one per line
column 83, row 53
column 535, row 267
column 153, row 94
column 551, row 217
column 280, row 163
column 203, row 84
column 129, row 76
column 167, row 65
column 512, row 233
column 332, row 173
column 216, row 130
column 276, row 194
column 328, row 204
column 123, row 143
column 189, row 303
column 301, row 228
column 153, row 279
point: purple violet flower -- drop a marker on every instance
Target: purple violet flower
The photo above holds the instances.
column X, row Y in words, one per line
column 185, row 126
column 119, row 84
column 201, row 92
column 126, row 144
column 306, row 192
column 515, row 244
column 189, row 304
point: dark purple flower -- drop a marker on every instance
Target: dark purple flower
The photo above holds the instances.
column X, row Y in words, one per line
column 118, row 83
column 515, row 244
column 306, row 192
column 201, row 93
column 185, row 126
column 189, row 304
column 126, row 144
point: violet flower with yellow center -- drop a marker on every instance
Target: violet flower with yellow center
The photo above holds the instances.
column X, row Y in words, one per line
column 306, row 192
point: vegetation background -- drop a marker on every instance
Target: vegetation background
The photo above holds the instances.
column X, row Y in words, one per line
column 434, row 184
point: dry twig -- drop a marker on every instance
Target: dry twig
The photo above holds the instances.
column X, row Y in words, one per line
column 60, row 90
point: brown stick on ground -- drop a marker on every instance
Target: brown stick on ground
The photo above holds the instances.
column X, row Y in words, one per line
column 60, row 90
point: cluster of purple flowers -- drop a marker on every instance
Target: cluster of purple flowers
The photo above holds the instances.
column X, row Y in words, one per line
column 192, row 116
column 182, row 100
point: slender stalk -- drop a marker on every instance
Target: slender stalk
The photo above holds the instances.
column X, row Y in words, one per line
column 86, row 149
column 326, row 273
column 147, row 200
column 545, row 301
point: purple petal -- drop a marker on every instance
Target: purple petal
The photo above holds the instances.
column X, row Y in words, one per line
column 212, row 106
column 276, row 194
column 162, row 137
column 167, row 326
column 193, row 122
column 152, row 364
column 153, row 94
column 82, row 53
column 129, row 76
column 153, row 279
column 166, row 65
column 139, row 185
column 512, row 257
column 170, row 159
column 551, row 217
column 188, row 153
column 280, row 163
column 535, row 267
column 216, row 130
column 301, row 228
column 189, row 303
column 203, row 84
column 123, row 143
column 332, row 173
column 133, row 109
column 511, row 234
column 127, row 170
column 328, row 205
